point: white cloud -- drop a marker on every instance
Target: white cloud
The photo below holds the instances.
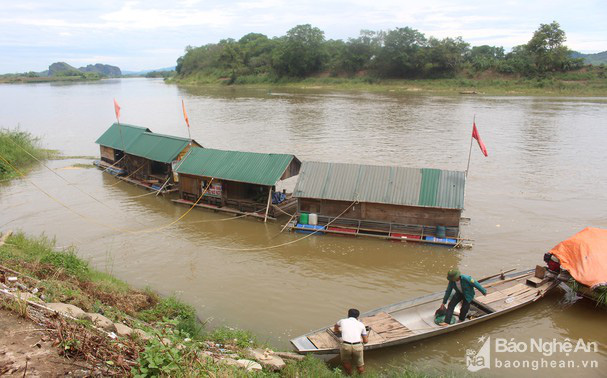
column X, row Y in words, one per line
column 154, row 32
column 134, row 16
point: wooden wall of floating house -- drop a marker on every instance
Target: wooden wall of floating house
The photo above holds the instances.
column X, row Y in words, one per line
column 137, row 167
column 427, row 216
column 189, row 186
column 292, row 169
column 329, row 208
column 244, row 191
column 107, row 154
column 234, row 190
column 182, row 153
column 383, row 212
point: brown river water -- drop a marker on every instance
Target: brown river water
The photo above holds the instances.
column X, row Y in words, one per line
column 545, row 179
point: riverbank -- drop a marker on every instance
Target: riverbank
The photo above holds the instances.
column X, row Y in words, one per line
column 587, row 82
column 21, row 79
column 121, row 330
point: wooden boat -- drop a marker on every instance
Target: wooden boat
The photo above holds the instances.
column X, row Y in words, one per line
column 413, row 320
column 115, row 171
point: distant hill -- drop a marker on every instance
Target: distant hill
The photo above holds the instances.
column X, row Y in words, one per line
column 595, row 59
column 64, row 69
column 61, row 68
column 102, row 69
column 143, row 72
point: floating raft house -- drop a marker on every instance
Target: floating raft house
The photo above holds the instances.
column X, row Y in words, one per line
column 243, row 182
column 137, row 155
column 420, row 205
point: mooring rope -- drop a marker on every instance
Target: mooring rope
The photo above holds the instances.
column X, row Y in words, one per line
column 93, row 220
column 120, row 179
column 81, row 190
column 115, row 163
column 282, row 211
column 58, row 175
column 178, row 219
column 292, row 241
column 153, row 229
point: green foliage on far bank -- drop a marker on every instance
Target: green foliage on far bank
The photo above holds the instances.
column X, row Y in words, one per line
column 161, row 74
column 403, row 53
column 14, row 147
column 589, row 81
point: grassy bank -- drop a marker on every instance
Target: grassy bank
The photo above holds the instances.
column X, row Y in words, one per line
column 24, row 79
column 15, row 146
column 589, row 82
column 179, row 345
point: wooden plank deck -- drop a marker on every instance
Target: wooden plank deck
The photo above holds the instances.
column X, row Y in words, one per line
column 386, row 327
column 324, row 340
column 224, row 209
column 502, row 299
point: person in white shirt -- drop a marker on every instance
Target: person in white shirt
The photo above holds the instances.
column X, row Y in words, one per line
column 353, row 335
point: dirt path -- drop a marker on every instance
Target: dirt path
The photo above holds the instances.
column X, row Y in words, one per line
column 22, row 341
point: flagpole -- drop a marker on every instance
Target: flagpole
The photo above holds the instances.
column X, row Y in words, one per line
column 470, row 151
column 117, row 111
column 187, row 121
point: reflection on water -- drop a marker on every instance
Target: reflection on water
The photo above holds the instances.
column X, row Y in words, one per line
column 543, row 181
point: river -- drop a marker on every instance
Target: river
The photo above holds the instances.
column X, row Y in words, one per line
column 544, row 180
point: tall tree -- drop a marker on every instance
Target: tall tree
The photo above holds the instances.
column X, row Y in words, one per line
column 301, row 52
column 401, row 55
column 444, row 56
column 257, row 52
column 546, row 48
column 358, row 53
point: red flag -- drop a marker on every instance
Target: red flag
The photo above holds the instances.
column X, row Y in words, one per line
column 478, row 139
column 185, row 115
column 117, row 110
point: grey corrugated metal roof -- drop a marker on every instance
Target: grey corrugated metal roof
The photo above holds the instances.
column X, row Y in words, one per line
column 381, row 184
column 451, row 189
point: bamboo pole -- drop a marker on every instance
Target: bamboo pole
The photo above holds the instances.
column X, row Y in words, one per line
column 495, row 275
column 265, row 218
column 163, row 185
column 470, row 150
column 507, row 280
column 173, row 172
column 289, row 221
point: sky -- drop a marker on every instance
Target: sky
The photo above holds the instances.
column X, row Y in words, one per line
column 139, row 35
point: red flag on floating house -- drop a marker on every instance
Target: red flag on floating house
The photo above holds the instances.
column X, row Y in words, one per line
column 476, row 136
column 117, row 110
column 185, row 115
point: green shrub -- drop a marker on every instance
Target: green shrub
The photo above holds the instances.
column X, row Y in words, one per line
column 229, row 335
column 173, row 309
column 14, row 147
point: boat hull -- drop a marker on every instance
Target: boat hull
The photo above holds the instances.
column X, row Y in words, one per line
column 413, row 320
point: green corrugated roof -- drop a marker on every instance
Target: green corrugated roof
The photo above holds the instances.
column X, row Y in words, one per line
column 157, row 147
column 381, row 184
column 249, row 167
column 429, row 187
column 120, row 136
column 140, row 141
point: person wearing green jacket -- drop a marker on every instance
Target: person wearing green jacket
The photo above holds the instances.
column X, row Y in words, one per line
column 464, row 292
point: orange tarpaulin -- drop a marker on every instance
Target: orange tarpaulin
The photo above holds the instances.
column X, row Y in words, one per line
column 584, row 256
